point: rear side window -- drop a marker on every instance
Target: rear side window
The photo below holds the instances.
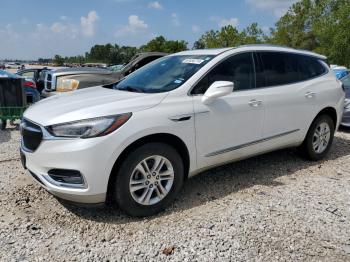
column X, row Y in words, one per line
column 310, row 67
column 280, row 68
column 238, row 69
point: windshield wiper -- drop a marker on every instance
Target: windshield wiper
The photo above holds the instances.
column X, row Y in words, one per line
column 131, row 89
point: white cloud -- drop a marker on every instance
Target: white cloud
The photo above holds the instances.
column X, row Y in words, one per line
column 278, row 7
column 195, row 28
column 58, row 27
column 155, row 5
column 231, row 21
column 175, row 19
column 135, row 25
column 88, row 24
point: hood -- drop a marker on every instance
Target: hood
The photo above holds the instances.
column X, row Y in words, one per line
column 89, row 103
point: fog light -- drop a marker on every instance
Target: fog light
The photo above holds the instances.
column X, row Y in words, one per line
column 66, row 176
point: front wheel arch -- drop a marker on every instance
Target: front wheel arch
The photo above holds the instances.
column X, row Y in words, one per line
column 165, row 138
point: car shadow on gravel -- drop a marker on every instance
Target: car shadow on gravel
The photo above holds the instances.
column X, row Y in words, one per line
column 220, row 182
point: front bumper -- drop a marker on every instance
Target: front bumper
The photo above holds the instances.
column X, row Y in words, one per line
column 91, row 157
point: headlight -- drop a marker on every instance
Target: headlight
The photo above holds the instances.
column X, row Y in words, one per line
column 65, row 85
column 93, row 127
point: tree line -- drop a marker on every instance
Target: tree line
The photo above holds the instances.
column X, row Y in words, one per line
column 322, row 26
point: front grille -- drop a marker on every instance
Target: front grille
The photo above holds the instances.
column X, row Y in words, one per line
column 31, row 135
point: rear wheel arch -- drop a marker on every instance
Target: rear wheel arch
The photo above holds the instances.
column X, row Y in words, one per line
column 177, row 143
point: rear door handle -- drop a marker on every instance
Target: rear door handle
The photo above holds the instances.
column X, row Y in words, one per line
column 255, row 103
column 310, row 94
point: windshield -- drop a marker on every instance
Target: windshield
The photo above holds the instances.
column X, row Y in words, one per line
column 164, row 74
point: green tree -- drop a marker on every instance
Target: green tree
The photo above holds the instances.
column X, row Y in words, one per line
column 317, row 25
column 58, row 60
column 160, row 44
column 229, row 36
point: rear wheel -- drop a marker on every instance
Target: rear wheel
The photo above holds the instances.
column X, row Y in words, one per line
column 148, row 179
column 3, row 124
column 319, row 138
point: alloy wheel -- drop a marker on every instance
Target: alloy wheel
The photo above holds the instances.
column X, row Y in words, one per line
column 151, row 180
column 321, row 137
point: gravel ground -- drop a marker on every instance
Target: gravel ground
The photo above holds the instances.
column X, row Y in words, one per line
column 273, row 207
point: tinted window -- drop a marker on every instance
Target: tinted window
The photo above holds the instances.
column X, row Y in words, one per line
column 310, row 67
column 238, row 69
column 284, row 68
column 279, row 68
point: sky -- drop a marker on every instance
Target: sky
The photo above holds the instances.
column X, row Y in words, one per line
column 30, row 29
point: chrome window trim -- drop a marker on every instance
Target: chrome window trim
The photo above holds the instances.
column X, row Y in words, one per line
column 325, row 66
column 229, row 149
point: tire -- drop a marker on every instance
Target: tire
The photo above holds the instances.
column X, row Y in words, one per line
column 3, row 124
column 308, row 148
column 132, row 170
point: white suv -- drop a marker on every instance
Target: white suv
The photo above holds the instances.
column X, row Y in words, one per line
column 138, row 140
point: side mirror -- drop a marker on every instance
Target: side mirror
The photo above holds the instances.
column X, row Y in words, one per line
column 216, row 90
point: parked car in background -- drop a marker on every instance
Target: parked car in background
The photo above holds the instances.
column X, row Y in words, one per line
column 340, row 71
column 138, row 140
column 13, row 65
column 2, row 66
column 97, row 65
column 346, row 115
column 37, row 74
column 70, row 79
column 139, row 60
column 31, row 91
column 115, row 68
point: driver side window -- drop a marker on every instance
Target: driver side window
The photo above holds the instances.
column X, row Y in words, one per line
column 238, row 69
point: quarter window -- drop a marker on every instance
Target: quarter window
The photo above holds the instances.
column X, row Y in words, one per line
column 310, row 67
column 238, row 69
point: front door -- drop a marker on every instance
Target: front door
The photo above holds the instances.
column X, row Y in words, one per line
column 231, row 126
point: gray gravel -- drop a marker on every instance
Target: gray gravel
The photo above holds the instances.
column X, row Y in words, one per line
column 268, row 208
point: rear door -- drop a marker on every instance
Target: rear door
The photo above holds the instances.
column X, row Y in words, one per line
column 290, row 99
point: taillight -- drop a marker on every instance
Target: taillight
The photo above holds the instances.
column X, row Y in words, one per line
column 30, row 84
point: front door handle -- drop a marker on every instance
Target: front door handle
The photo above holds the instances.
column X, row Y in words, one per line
column 180, row 118
column 255, row 103
column 310, row 94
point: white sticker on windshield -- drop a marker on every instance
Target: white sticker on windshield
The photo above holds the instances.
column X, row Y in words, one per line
column 193, row 61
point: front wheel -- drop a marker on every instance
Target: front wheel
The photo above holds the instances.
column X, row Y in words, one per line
column 148, row 179
column 319, row 138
